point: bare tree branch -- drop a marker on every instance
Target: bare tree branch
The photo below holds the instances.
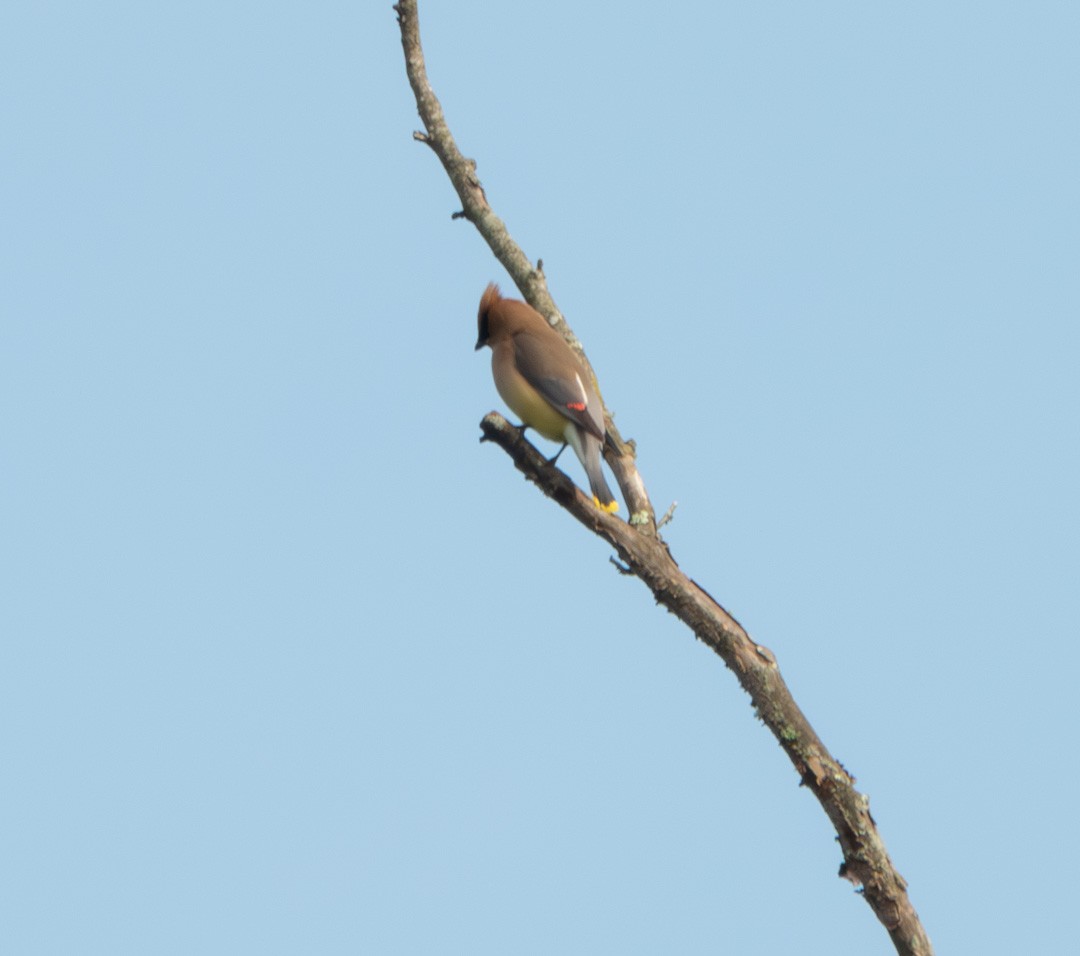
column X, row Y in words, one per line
column 644, row 554
column 620, row 454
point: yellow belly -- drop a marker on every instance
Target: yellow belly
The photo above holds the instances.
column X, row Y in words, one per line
column 526, row 402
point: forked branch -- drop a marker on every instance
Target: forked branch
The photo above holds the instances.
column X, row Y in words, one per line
column 645, row 555
column 529, row 279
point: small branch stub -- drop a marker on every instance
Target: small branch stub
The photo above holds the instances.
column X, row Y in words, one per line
column 668, row 515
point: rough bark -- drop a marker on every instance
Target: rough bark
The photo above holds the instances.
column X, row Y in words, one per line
column 645, row 554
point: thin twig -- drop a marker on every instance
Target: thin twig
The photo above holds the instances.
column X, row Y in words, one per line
column 668, row 515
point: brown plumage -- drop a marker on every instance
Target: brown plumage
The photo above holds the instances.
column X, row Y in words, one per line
column 541, row 378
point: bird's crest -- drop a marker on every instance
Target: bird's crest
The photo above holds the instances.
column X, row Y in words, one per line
column 488, row 301
column 490, row 298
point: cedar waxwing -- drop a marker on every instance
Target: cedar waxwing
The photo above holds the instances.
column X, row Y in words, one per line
column 542, row 380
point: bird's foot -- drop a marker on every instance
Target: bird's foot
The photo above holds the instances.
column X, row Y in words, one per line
column 551, row 461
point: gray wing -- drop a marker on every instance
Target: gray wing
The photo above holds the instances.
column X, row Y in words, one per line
column 551, row 367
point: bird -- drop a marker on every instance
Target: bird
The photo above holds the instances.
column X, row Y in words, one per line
column 544, row 382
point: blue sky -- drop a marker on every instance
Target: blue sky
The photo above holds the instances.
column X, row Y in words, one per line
column 292, row 664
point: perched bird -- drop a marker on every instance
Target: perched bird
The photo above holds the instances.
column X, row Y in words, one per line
column 541, row 378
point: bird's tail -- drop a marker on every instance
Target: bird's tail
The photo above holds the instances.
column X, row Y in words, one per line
column 589, row 453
